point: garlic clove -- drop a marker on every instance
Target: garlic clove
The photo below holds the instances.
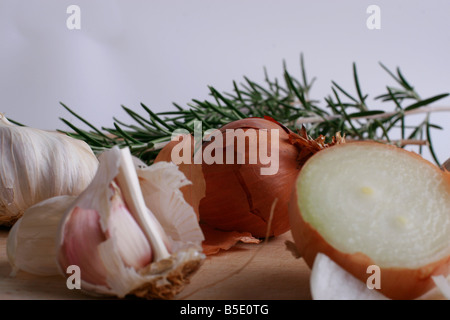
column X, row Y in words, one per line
column 443, row 285
column 128, row 182
column 31, row 244
column 329, row 281
column 135, row 251
column 82, row 235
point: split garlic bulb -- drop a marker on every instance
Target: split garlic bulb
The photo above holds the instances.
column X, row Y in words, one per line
column 37, row 165
column 130, row 232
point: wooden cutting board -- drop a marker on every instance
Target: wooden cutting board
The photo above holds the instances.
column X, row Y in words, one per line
column 272, row 274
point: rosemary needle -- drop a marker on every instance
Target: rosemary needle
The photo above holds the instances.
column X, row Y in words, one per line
column 289, row 104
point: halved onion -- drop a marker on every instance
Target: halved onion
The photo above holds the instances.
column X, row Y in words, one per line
column 367, row 203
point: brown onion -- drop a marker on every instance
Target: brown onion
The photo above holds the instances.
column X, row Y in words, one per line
column 238, row 197
column 215, row 240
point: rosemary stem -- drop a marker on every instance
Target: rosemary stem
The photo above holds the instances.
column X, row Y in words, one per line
column 159, row 146
column 406, row 142
column 400, row 142
column 425, row 109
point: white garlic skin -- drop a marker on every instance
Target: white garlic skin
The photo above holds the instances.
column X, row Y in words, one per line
column 36, row 165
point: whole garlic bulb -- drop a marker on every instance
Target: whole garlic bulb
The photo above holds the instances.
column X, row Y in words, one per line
column 130, row 232
column 37, row 165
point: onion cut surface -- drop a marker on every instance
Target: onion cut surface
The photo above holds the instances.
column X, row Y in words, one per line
column 366, row 203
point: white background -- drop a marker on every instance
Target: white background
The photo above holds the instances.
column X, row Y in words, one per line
column 159, row 52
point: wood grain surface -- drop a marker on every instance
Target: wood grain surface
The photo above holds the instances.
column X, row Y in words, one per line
column 265, row 271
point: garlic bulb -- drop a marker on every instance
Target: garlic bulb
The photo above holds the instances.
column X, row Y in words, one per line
column 37, row 165
column 130, row 232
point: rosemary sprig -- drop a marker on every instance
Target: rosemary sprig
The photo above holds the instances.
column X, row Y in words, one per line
column 286, row 101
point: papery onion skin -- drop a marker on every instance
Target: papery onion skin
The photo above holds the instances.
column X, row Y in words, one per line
column 195, row 191
column 239, row 198
column 396, row 283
